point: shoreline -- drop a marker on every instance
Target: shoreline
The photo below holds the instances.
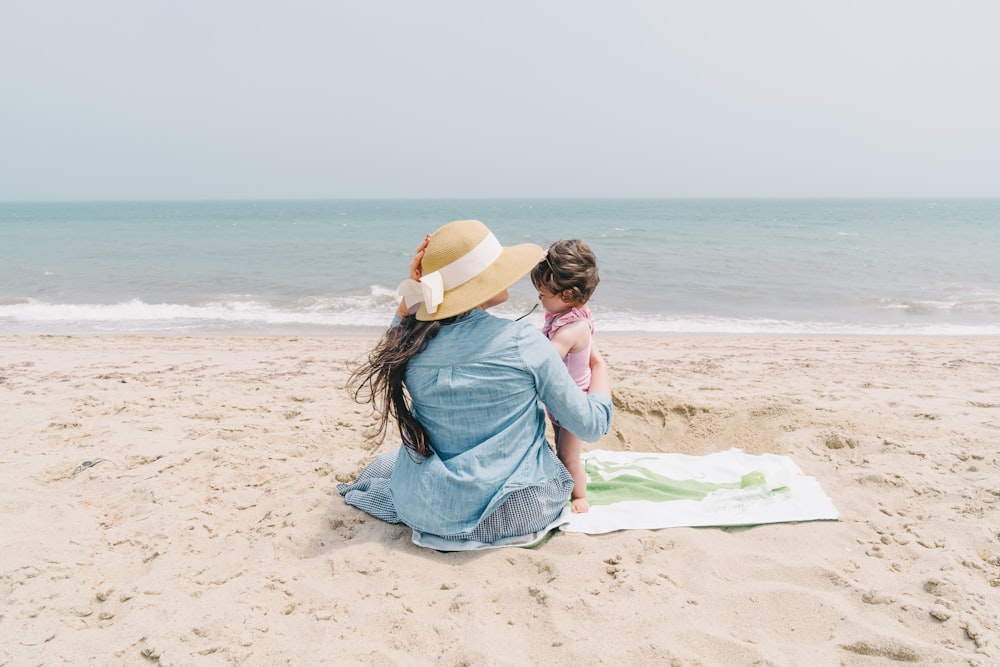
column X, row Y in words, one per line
column 208, row 530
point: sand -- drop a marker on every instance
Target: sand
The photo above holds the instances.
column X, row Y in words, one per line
column 206, row 529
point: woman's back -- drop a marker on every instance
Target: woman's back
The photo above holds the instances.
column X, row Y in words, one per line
column 478, row 389
column 471, row 383
column 483, row 375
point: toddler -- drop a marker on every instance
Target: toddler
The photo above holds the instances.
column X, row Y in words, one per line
column 565, row 279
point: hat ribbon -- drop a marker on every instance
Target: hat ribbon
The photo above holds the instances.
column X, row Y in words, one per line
column 431, row 287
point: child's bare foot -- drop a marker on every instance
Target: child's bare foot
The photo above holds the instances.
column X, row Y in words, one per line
column 579, row 505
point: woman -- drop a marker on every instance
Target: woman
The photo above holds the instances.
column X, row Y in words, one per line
column 466, row 391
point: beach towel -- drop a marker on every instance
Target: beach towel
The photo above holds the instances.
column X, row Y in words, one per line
column 642, row 490
column 650, row 490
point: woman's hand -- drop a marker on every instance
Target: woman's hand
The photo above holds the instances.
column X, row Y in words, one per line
column 418, row 256
column 415, row 273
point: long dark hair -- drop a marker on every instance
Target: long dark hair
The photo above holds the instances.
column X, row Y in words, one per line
column 379, row 380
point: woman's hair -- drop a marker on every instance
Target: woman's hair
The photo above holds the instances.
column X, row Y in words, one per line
column 379, row 380
column 568, row 266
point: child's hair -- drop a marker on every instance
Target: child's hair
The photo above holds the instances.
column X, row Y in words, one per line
column 568, row 266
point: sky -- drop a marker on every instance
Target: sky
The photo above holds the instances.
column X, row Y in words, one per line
column 327, row 99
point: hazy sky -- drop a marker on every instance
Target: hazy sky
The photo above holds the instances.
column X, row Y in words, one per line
column 237, row 99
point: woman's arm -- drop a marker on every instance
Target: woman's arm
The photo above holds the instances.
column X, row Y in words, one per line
column 585, row 415
column 415, row 273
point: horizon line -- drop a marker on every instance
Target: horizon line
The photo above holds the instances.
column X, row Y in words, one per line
column 505, row 198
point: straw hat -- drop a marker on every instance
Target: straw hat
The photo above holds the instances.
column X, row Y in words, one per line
column 464, row 266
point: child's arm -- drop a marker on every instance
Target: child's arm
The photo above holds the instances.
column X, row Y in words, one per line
column 573, row 337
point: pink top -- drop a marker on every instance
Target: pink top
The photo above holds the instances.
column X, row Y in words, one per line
column 578, row 363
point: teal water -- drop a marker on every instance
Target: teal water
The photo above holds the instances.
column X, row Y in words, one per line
column 667, row 266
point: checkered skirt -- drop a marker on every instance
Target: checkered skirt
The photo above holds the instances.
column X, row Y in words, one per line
column 525, row 511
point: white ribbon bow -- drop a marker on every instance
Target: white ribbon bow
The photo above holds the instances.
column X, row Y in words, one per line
column 430, row 289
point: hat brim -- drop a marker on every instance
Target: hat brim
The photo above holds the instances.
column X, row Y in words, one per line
column 513, row 264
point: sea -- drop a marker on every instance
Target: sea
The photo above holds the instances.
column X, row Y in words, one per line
column 667, row 266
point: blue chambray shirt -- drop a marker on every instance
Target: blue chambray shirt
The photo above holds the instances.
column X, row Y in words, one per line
column 479, row 389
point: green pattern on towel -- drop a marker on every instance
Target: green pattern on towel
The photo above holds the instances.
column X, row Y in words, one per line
column 639, row 483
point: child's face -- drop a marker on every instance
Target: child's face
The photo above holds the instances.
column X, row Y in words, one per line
column 552, row 303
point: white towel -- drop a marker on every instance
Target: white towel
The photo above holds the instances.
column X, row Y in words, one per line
column 644, row 490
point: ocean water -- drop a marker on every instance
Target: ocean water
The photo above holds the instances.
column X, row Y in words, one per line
column 667, row 266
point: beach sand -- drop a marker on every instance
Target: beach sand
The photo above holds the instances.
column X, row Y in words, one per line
column 207, row 529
